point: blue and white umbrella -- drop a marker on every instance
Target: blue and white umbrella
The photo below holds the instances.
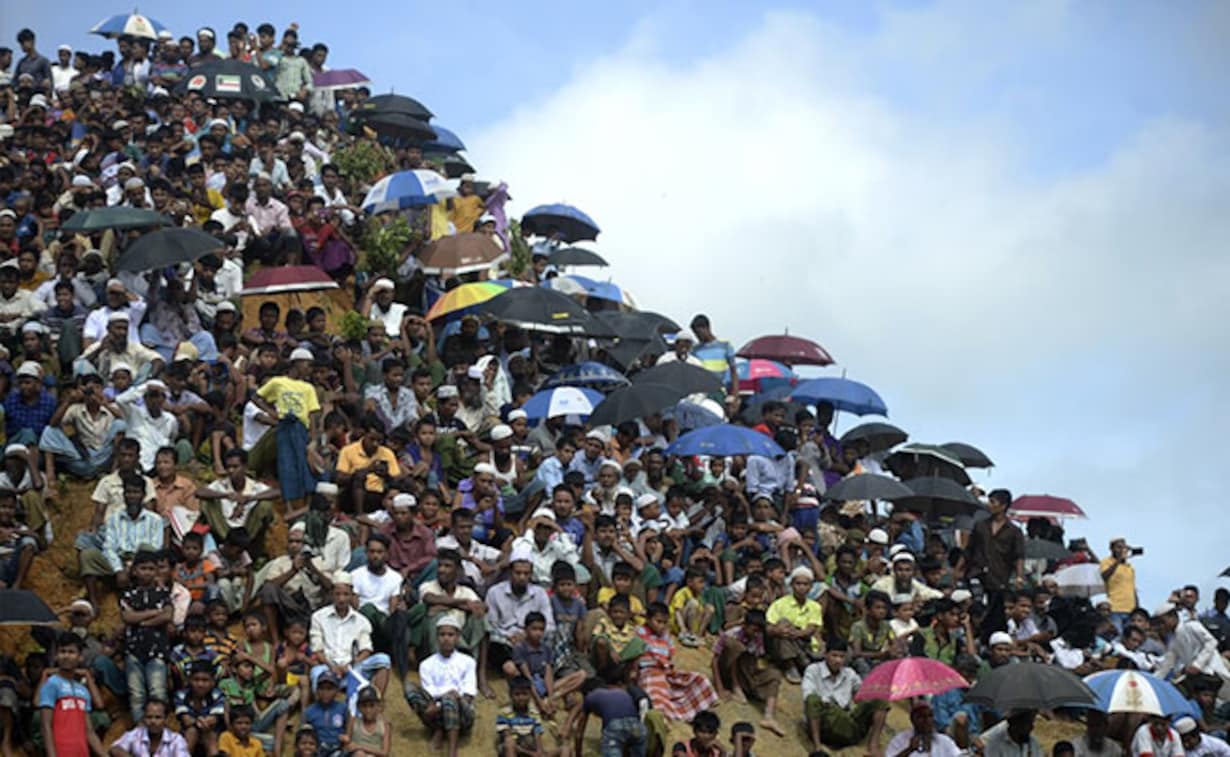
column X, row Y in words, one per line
column 724, row 439
column 445, row 141
column 576, row 284
column 842, row 394
column 407, row 189
column 571, row 224
column 563, row 400
column 588, row 374
column 1137, row 691
column 128, row 25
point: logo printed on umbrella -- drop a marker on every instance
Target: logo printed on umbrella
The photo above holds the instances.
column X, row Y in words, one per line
column 228, row 83
column 257, row 80
column 197, row 82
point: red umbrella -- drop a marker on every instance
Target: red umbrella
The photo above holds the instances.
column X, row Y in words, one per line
column 1044, row 506
column 909, row 677
column 288, row 278
column 783, row 348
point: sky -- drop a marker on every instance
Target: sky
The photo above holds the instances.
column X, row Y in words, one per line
column 1008, row 218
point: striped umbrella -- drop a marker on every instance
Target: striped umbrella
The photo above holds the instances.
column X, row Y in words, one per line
column 1136, row 691
column 407, row 189
column 466, row 296
column 562, row 400
column 128, row 25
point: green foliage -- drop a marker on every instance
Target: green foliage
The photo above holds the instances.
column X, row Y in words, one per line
column 519, row 255
column 383, row 245
column 364, row 162
column 353, row 326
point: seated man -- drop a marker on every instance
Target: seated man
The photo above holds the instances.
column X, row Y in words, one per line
column 364, row 467
column 81, row 435
column 29, row 407
column 238, row 500
column 508, row 604
column 412, row 545
column 292, row 585
column 833, row 718
column 444, row 698
column 117, row 346
column 147, row 420
column 902, row 583
column 547, row 543
column 379, row 591
column 479, row 562
column 795, row 626
column 17, row 543
column 343, row 638
column 20, row 474
column 445, row 596
column 922, row 737
column 123, row 534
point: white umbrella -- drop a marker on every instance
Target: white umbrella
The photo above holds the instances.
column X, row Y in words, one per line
column 1080, row 580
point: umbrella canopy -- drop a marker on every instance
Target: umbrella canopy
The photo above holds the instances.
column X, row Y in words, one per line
column 455, row 166
column 880, row 436
column 461, row 253
column 685, row 379
column 445, row 141
column 935, row 497
column 396, row 126
column 842, row 394
column 1136, row 691
column 627, row 351
column 391, row 103
column 229, row 79
column 969, row 455
column 1031, row 686
column 339, row 78
column 791, row 350
column 631, row 402
column 908, row 677
column 562, row 400
column 24, row 608
column 575, row 284
column 114, row 217
column 466, row 296
column 1080, row 580
column 702, row 412
column 570, row 223
column 128, row 25
column 724, row 439
column 915, row 460
column 590, row 374
column 868, row 486
column 539, row 309
column 165, row 247
column 407, row 189
column 759, row 368
column 642, row 324
column 1044, row 506
column 576, row 256
column 288, row 278
column 1045, row 549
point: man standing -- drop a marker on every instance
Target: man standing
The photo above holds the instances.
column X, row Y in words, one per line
column 716, row 356
column 1120, row 578
column 32, row 63
column 997, row 557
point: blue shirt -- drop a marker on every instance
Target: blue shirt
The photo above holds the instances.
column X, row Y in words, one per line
column 715, row 356
column 19, row 415
column 329, row 721
column 550, row 473
column 947, row 705
column 587, row 467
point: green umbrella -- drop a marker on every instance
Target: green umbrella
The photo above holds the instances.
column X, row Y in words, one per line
column 165, row 247
column 114, row 218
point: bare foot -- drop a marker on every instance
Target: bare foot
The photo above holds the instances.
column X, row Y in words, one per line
column 739, row 696
column 771, row 725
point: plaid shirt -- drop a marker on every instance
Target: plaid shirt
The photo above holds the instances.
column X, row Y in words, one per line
column 19, row 415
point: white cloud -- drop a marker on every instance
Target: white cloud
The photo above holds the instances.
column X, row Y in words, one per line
column 772, row 185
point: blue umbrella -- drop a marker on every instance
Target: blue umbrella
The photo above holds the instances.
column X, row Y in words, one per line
column 571, row 223
column 724, row 439
column 563, row 400
column 842, row 394
column 576, row 284
column 589, row 374
column 1137, row 691
column 445, row 141
column 128, row 25
column 406, row 189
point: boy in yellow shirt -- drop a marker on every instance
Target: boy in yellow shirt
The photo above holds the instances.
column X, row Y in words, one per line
column 690, row 615
column 622, row 576
column 238, row 741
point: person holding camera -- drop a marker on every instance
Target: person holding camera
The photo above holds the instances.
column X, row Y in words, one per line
column 1120, row 578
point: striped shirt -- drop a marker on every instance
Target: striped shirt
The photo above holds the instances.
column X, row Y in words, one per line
column 716, row 356
column 124, row 536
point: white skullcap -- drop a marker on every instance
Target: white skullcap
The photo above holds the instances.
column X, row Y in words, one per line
column 300, row 353
column 446, row 391
column 475, row 372
column 877, row 536
column 298, row 528
column 501, row 432
column 802, row 571
column 154, row 384
column 343, row 577
column 327, row 489
column 610, row 464
column 521, row 553
column 518, row 415
column 1164, row 608
column 685, row 335
column 596, row 434
column 1000, row 637
column 962, row 595
column 645, row 500
column 30, row 369
column 486, row 468
column 382, row 283
column 446, row 620
column 1185, row 725
column 120, row 366
column 903, row 556
column 403, row 501
column 15, row 450
column 135, row 182
column 544, row 512
column 119, row 315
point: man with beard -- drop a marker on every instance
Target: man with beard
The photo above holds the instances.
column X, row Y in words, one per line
column 412, row 545
column 379, row 589
column 508, row 604
column 117, row 346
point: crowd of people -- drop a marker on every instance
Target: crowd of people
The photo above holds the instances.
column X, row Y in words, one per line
column 437, row 536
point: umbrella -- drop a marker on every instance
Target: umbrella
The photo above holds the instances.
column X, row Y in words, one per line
column 642, row 324
column 908, row 677
column 229, row 78
column 288, row 278
column 114, row 217
column 165, row 247
column 697, row 413
column 539, row 309
column 390, row 103
column 571, row 224
column 631, row 402
column 627, row 351
column 868, row 486
column 563, row 400
column 576, row 256
column 723, row 440
column 842, row 394
column 589, row 374
column 455, row 166
column 574, row 284
column 406, row 189
column 880, row 436
column 685, row 379
column 1080, row 580
column 396, row 125
column 1044, row 506
column 915, row 460
column 753, row 371
column 791, row 350
column 466, row 296
column 1045, row 549
column 128, row 25
column 935, row 497
column 445, row 141
column 1225, row 573
column 969, row 455
column 1031, row 686
column 461, row 253
column 1136, row 691
column 24, row 608
column 339, row 78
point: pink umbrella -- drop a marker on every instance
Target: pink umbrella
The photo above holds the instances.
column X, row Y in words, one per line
column 339, row 78
column 783, row 348
column 288, row 278
column 909, row 677
column 1044, row 506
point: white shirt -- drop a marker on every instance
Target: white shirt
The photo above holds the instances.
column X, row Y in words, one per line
column 460, row 591
column 391, row 317
column 997, row 743
column 940, row 745
column 1144, row 745
column 253, row 430
column 1193, row 645
column 438, row 675
column 376, row 590
column 480, row 552
column 228, row 219
column 558, row 547
column 95, row 327
column 833, row 688
column 340, row 639
column 1210, row 747
column 251, row 487
column 337, row 200
column 62, row 76
column 151, row 432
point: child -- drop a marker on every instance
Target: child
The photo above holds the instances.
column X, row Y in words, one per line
column 237, row 741
column 535, row 660
column 690, row 615
column 241, row 689
column 903, row 625
column 193, row 571
column 257, row 648
column 217, row 637
column 181, row 598
column 622, row 729
column 755, row 597
column 327, row 715
column 66, row 700
column 614, row 634
column 739, row 658
column 192, row 650
column 871, row 639
column 517, row 730
column 622, row 576
column 679, row 694
column 704, row 741
column 569, row 612
column 145, row 608
column 234, row 574
column 742, row 739
column 200, row 709
column 306, row 744
column 294, row 656
column 369, row 735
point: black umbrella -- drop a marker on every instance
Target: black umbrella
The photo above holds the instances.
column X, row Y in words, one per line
column 540, row 309
column 683, row 378
column 167, row 247
column 915, row 460
column 868, row 486
column 631, row 402
column 393, row 104
column 1045, row 549
column 24, row 608
column 880, row 436
column 114, row 217
column 970, row 456
column 627, row 351
column 396, row 125
column 935, row 496
column 576, row 256
column 229, row 78
column 1030, row 686
column 455, row 167
column 636, row 324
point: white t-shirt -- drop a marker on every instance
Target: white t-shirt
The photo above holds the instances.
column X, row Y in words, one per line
column 376, row 590
column 1144, row 745
column 940, row 745
column 253, row 430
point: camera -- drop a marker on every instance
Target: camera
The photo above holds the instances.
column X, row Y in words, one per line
column 1136, row 551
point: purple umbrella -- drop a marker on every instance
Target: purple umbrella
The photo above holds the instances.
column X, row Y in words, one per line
column 340, row 78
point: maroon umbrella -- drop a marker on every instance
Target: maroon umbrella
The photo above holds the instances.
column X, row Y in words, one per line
column 783, row 348
column 288, row 278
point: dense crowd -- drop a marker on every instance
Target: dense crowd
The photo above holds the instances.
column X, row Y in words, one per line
column 440, row 537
